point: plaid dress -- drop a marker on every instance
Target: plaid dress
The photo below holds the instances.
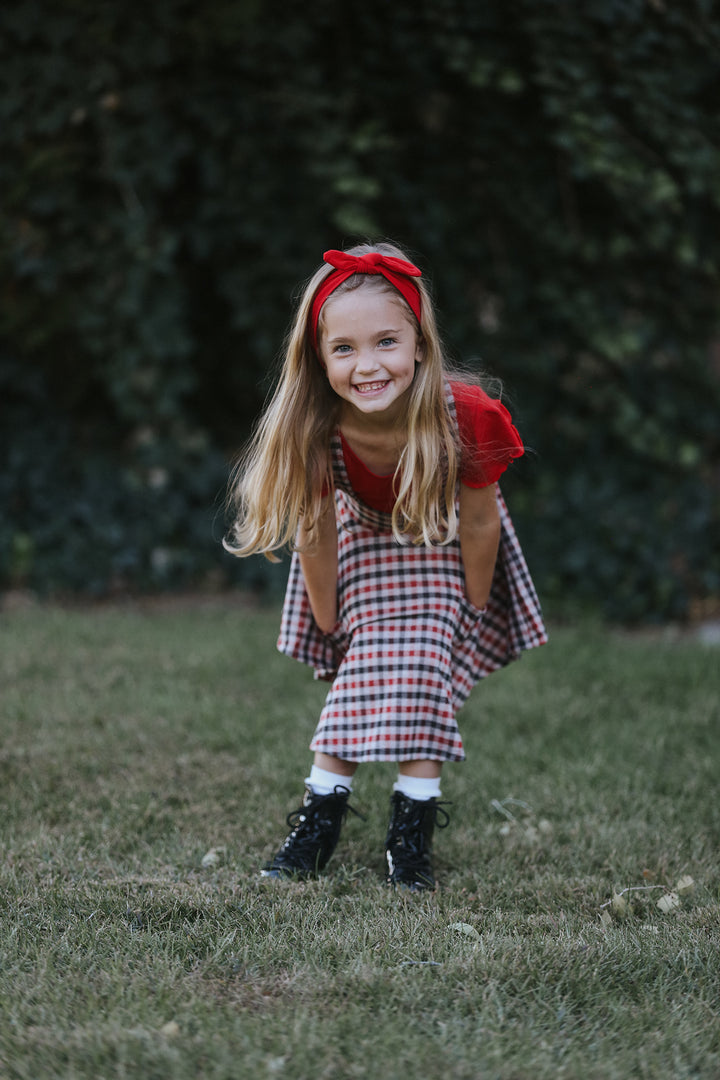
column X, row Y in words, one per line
column 408, row 646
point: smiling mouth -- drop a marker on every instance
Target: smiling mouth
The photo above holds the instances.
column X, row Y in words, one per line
column 370, row 387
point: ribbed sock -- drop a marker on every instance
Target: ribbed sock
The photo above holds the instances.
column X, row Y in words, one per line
column 421, row 788
column 324, row 782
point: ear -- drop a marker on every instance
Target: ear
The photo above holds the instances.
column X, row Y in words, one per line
column 419, row 349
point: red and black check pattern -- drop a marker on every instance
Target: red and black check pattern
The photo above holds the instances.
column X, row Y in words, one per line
column 408, row 647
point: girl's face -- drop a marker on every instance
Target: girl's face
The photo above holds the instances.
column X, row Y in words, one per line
column 370, row 349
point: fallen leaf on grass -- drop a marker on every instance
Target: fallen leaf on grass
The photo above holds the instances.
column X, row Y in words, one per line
column 669, row 902
column 466, row 929
column 213, row 857
column 685, row 885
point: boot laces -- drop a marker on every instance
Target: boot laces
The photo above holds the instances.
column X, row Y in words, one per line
column 408, row 838
column 310, row 821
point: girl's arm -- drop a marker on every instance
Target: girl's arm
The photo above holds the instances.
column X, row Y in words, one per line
column 320, row 566
column 479, row 540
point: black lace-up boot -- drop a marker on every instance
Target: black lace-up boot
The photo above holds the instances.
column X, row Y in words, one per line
column 314, row 833
column 409, row 841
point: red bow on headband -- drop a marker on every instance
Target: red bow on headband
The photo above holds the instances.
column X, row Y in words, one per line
column 398, row 272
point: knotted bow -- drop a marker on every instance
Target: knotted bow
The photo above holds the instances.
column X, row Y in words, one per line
column 398, row 272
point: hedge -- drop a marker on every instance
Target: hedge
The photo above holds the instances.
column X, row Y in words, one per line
column 170, row 174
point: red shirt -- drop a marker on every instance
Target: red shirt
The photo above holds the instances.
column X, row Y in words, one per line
column 488, row 439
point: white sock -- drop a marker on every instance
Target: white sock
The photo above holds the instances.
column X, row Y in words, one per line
column 324, row 782
column 418, row 787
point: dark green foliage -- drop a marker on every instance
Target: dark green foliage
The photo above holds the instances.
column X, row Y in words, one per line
column 168, row 178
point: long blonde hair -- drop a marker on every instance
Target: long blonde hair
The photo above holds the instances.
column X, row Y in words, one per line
column 281, row 476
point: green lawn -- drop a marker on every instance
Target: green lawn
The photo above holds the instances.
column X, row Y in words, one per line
column 136, row 741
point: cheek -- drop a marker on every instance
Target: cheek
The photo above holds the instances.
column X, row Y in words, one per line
column 332, row 378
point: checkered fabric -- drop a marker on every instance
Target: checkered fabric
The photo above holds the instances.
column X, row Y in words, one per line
column 408, row 646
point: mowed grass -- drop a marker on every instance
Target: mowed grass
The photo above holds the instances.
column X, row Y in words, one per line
column 135, row 741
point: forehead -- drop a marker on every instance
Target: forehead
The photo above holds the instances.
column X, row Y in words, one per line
column 364, row 308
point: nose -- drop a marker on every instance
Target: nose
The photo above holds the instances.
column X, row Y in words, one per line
column 366, row 362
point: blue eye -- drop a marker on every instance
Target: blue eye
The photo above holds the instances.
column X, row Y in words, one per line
column 388, row 341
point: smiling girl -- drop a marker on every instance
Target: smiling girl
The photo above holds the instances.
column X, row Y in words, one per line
column 407, row 585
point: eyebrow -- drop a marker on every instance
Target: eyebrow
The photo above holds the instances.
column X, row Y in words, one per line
column 348, row 337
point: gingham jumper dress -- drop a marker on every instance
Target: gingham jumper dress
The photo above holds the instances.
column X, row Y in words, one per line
column 408, row 646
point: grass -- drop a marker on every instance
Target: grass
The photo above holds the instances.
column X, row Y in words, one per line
column 137, row 740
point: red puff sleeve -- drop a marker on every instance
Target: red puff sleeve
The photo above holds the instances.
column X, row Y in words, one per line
column 489, row 439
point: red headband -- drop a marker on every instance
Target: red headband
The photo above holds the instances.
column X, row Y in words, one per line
column 397, row 271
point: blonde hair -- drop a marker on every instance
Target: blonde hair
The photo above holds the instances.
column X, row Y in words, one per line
column 281, row 476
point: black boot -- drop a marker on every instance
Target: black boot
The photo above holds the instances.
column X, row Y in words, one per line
column 314, row 833
column 409, row 841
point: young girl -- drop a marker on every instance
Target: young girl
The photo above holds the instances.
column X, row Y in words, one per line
column 407, row 583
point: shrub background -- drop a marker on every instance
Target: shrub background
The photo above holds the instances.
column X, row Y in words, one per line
column 169, row 174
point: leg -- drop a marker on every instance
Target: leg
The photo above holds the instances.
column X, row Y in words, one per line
column 427, row 770
column 334, row 764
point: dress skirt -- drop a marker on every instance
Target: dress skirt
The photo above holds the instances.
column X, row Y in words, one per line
column 408, row 646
